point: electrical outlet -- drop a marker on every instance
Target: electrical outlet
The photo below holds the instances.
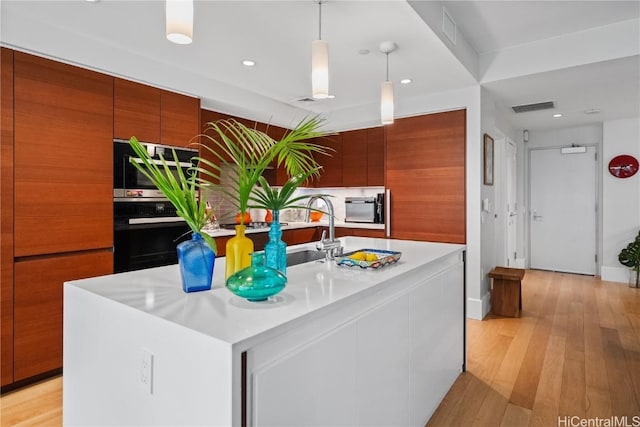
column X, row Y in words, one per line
column 146, row 370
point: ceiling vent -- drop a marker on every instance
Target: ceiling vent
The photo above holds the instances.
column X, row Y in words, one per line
column 306, row 99
column 533, row 107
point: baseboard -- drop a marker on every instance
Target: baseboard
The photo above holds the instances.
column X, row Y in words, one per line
column 614, row 274
column 478, row 308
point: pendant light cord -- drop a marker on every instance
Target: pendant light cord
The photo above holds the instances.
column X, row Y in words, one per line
column 320, row 20
column 387, row 55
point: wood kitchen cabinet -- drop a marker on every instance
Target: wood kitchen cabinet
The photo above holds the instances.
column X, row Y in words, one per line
column 154, row 115
column 331, row 173
column 6, row 217
column 63, row 159
column 351, row 231
column 136, row 109
column 375, row 156
column 354, row 158
column 425, row 172
column 38, row 307
column 179, row 119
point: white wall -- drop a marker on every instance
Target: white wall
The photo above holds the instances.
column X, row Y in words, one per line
column 496, row 126
column 621, row 197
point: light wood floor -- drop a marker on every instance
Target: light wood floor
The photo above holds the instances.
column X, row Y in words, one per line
column 574, row 352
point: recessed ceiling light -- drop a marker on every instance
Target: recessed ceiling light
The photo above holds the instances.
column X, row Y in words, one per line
column 364, row 51
column 331, row 96
column 405, row 81
column 557, row 115
column 592, row 111
column 248, row 63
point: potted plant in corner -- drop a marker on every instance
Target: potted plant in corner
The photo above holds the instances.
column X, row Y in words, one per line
column 630, row 257
column 196, row 256
column 244, row 153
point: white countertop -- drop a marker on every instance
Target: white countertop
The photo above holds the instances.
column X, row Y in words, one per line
column 296, row 225
column 220, row 314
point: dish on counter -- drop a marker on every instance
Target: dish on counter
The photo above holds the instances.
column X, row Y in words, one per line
column 364, row 258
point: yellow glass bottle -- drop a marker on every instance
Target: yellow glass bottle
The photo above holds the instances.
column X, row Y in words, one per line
column 239, row 249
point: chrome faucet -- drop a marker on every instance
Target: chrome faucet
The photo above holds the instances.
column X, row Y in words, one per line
column 330, row 246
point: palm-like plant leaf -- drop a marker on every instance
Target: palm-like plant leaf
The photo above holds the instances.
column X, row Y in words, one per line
column 251, row 151
column 182, row 191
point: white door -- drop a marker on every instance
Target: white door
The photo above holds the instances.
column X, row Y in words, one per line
column 562, row 219
column 511, row 208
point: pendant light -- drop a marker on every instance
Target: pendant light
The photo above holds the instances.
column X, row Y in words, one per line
column 179, row 21
column 320, row 61
column 386, row 91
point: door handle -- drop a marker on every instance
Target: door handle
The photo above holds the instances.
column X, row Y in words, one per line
column 536, row 217
column 512, row 214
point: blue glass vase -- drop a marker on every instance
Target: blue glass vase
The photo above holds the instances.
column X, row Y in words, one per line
column 275, row 250
column 256, row 282
column 196, row 261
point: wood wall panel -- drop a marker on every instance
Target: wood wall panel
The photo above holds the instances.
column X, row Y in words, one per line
column 375, row 156
column 180, row 119
column 6, row 217
column 425, row 171
column 63, row 157
column 136, row 111
column 38, row 306
column 354, row 158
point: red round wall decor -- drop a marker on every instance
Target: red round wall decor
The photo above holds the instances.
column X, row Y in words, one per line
column 623, row 166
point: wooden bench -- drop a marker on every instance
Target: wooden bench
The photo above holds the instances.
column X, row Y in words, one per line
column 506, row 292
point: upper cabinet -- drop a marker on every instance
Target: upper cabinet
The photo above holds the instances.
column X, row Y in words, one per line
column 136, row 111
column 375, row 156
column 63, row 157
column 354, row 158
column 179, row 119
column 154, row 115
column 331, row 173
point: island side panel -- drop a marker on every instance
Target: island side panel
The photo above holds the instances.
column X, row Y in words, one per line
column 105, row 343
column 401, row 348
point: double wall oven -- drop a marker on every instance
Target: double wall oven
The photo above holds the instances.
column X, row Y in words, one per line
column 146, row 226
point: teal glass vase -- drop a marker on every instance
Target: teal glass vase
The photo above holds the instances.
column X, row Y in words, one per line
column 196, row 261
column 256, row 282
column 275, row 250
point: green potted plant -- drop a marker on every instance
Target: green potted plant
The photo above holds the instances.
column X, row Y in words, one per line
column 267, row 197
column 245, row 153
column 196, row 256
column 630, row 257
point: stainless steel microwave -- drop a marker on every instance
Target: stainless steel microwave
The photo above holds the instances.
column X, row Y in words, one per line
column 131, row 184
column 364, row 209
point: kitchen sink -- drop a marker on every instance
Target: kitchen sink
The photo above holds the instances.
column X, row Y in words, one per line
column 295, row 258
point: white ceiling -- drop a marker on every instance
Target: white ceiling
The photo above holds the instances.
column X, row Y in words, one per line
column 126, row 38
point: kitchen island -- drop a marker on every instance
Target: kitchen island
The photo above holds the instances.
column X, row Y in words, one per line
column 338, row 346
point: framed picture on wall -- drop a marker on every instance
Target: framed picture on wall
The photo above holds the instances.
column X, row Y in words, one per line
column 488, row 160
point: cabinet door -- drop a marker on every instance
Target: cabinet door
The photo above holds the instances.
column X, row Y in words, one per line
column 38, row 307
column 63, row 157
column 6, row 219
column 375, row 156
column 359, row 232
column 425, row 171
column 136, row 111
column 354, row 158
column 331, row 173
column 180, row 119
